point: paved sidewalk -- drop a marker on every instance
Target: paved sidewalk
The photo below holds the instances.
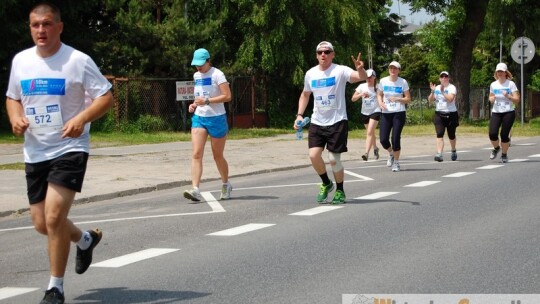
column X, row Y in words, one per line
column 128, row 170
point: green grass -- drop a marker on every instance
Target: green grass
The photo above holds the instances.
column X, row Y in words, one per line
column 102, row 139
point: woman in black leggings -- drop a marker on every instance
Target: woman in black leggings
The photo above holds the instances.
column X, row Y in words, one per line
column 504, row 95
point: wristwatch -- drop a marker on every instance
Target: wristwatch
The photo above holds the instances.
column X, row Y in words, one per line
column 206, row 101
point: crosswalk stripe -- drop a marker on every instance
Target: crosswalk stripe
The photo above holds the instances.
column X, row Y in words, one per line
column 9, row 292
column 517, row 160
column 212, row 202
column 134, row 257
column 240, row 229
column 358, row 175
column 376, row 195
column 459, row 174
column 422, row 184
column 316, row 210
column 534, row 155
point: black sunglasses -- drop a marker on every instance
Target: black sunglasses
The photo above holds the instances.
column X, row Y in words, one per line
column 326, row 52
column 444, row 76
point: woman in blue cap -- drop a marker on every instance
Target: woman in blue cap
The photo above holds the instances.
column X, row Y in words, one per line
column 211, row 92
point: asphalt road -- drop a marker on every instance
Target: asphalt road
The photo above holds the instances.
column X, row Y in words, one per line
column 466, row 227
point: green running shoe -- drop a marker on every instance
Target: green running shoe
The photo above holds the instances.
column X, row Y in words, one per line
column 339, row 197
column 323, row 194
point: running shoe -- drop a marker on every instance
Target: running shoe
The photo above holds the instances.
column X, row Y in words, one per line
column 53, row 296
column 365, row 157
column 84, row 257
column 226, row 191
column 494, row 153
column 376, row 153
column 323, row 194
column 504, row 158
column 390, row 161
column 193, row 194
column 395, row 167
column 438, row 157
column 453, row 156
column 339, row 197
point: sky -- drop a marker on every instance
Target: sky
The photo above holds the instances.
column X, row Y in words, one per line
column 401, row 8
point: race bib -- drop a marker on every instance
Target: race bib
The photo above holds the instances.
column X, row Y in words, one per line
column 45, row 119
column 503, row 106
column 325, row 102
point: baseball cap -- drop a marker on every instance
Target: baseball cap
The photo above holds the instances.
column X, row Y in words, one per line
column 501, row 67
column 395, row 64
column 325, row 44
column 370, row 73
column 444, row 73
column 200, row 56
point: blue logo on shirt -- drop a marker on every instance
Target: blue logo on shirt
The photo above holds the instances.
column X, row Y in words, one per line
column 43, row 86
column 393, row 89
column 203, row 82
column 323, row 83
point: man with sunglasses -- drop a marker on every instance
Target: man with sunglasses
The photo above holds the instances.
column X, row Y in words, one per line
column 446, row 117
column 329, row 126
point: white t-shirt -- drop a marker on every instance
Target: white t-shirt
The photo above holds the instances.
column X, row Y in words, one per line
column 207, row 85
column 502, row 104
column 369, row 104
column 441, row 104
column 393, row 89
column 328, row 89
column 52, row 91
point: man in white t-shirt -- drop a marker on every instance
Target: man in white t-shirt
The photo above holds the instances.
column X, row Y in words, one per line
column 46, row 103
column 329, row 125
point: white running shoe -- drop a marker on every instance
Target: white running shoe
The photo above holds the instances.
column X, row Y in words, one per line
column 193, row 194
column 226, row 191
column 390, row 161
column 395, row 167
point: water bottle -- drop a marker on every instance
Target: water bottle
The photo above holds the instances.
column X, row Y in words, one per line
column 300, row 125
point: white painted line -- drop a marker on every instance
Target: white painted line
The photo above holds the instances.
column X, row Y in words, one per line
column 241, row 229
column 488, row 167
column 134, row 257
column 9, row 292
column 423, row 184
column 459, row 174
column 317, row 210
column 524, row 144
column 376, row 195
column 517, row 160
column 212, row 202
column 357, row 175
column 534, row 155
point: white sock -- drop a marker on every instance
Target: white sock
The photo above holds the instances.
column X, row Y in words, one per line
column 85, row 241
column 56, row 282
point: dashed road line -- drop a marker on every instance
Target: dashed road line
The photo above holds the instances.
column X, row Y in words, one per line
column 316, row 210
column 376, row 195
column 489, row 167
column 241, row 229
column 134, row 257
column 459, row 174
column 422, row 184
column 10, row 292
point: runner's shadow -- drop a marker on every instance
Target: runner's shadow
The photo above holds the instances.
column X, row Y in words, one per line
column 133, row 296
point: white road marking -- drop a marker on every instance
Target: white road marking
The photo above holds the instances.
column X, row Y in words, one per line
column 422, row 184
column 534, row 155
column 134, row 257
column 488, row 167
column 517, row 160
column 376, row 195
column 317, row 210
column 357, row 175
column 241, row 229
column 9, row 292
column 212, row 202
column 459, row 174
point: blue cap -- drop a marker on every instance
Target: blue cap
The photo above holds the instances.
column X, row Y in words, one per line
column 200, row 56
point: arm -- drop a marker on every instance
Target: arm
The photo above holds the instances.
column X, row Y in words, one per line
column 15, row 111
column 75, row 126
column 514, row 97
column 407, row 97
column 360, row 73
column 380, row 100
column 302, row 104
column 431, row 97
